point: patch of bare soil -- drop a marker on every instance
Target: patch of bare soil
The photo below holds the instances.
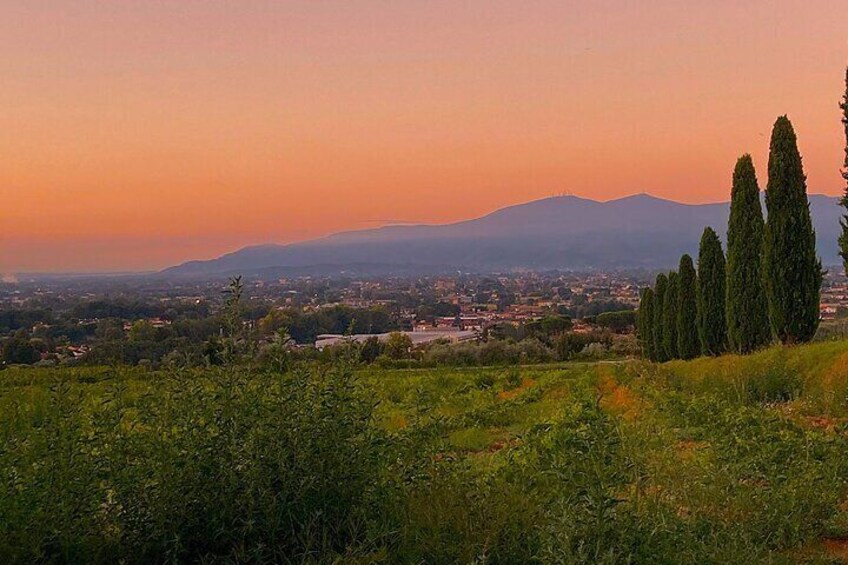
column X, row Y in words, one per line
column 618, row 399
column 836, row 548
column 510, row 394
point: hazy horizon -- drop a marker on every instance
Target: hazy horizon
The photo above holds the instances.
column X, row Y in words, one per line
column 11, row 275
column 141, row 135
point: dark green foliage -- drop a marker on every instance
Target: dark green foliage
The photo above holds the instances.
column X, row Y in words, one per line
column 682, row 463
column 688, row 345
column 571, row 345
column 660, row 288
column 712, row 325
column 370, row 350
column 17, row 318
column 792, row 271
column 747, row 309
column 19, row 349
column 305, row 327
column 645, row 330
column 843, row 238
column 581, row 308
column 669, row 316
column 620, row 321
column 219, row 465
column 398, row 346
column 547, row 328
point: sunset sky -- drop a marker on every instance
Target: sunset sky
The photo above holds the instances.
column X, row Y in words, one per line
column 138, row 134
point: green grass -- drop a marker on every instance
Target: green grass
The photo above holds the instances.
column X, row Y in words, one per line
column 735, row 459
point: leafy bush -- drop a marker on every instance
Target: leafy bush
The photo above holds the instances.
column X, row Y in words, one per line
column 223, row 463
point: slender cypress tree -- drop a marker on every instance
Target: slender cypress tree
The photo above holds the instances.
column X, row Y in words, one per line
column 843, row 238
column 659, row 309
column 669, row 317
column 646, row 324
column 793, row 273
column 747, row 309
column 712, row 327
column 687, row 310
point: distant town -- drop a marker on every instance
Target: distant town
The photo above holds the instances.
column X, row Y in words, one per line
column 71, row 320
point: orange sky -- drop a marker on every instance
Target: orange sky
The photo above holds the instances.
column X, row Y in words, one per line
column 135, row 135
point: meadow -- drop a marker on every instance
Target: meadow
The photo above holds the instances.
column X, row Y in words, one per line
column 732, row 459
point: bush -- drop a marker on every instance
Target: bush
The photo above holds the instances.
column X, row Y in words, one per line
column 224, row 463
column 484, row 381
column 570, row 345
column 513, row 379
column 775, row 383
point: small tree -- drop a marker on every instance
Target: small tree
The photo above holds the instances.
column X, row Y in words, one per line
column 233, row 308
column 747, row 309
column 398, row 346
column 793, row 273
column 645, row 324
column 233, row 312
column 618, row 321
column 712, row 325
column 370, row 350
column 669, row 318
column 688, row 344
column 659, row 311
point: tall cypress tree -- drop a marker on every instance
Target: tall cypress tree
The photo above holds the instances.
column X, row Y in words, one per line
column 669, row 317
column 747, row 309
column 659, row 309
column 712, row 326
column 646, row 324
column 793, row 273
column 687, row 310
column 843, row 238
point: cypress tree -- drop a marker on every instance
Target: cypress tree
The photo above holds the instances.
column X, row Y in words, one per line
column 687, row 310
column 793, row 273
column 747, row 309
column 669, row 317
column 843, row 238
column 646, row 324
column 712, row 327
column 659, row 308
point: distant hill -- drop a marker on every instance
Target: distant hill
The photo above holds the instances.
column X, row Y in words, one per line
column 564, row 232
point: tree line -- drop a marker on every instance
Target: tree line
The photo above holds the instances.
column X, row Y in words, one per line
column 768, row 286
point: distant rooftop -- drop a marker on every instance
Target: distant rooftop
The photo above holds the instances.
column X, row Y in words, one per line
column 418, row 338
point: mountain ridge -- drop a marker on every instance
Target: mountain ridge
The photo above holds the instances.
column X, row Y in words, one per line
column 559, row 232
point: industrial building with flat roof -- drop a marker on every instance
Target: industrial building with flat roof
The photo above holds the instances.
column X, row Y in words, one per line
column 418, row 338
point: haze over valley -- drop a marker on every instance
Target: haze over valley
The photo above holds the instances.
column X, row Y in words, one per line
column 564, row 232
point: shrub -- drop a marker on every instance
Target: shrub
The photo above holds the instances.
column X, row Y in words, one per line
column 224, row 463
column 776, row 382
column 513, row 378
column 484, row 381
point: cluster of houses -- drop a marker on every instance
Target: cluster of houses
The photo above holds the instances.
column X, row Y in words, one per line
column 834, row 297
column 417, row 337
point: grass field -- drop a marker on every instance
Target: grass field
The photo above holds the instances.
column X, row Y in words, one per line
column 735, row 459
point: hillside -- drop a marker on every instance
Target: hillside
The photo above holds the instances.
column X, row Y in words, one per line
column 563, row 232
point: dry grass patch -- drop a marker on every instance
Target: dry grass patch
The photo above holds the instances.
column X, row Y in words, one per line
column 618, row 399
column 526, row 383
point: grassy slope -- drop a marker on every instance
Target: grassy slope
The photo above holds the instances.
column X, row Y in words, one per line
column 700, row 461
column 752, row 449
